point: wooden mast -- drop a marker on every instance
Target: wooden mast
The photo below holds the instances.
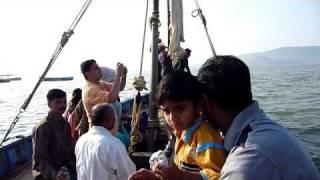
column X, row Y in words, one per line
column 153, row 122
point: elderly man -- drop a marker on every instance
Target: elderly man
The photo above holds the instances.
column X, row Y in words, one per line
column 258, row 147
column 97, row 91
column 99, row 154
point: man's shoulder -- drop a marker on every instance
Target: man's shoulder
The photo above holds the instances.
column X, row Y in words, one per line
column 267, row 133
column 43, row 126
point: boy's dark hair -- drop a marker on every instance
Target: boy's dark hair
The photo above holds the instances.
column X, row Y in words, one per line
column 55, row 94
column 99, row 112
column 226, row 80
column 86, row 65
column 179, row 86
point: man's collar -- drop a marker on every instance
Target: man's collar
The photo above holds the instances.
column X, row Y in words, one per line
column 54, row 117
column 245, row 117
column 100, row 129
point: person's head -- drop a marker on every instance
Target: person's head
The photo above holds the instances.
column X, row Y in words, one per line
column 103, row 115
column 226, row 82
column 188, row 51
column 91, row 70
column 180, row 98
column 57, row 101
column 161, row 47
column 76, row 96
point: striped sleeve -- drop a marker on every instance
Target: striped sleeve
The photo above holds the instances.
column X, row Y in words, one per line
column 210, row 152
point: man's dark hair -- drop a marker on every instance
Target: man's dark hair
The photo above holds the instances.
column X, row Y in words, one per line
column 99, row 112
column 179, row 86
column 188, row 51
column 226, row 80
column 86, row 65
column 55, row 94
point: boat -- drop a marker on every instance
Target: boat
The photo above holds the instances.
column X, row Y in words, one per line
column 2, row 80
column 69, row 78
column 15, row 157
column 9, row 78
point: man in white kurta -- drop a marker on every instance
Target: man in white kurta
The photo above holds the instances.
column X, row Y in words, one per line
column 99, row 154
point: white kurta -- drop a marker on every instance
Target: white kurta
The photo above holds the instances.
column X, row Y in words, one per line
column 102, row 156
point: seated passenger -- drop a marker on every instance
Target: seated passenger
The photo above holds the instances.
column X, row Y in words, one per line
column 199, row 151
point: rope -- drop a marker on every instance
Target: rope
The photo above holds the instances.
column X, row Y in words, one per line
column 198, row 12
column 144, row 37
column 139, row 84
column 57, row 51
column 135, row 134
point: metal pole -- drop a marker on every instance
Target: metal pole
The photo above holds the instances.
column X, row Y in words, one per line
column 153, row 122
column 169, row 20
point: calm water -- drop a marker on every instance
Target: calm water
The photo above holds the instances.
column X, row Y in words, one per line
column 289, row 94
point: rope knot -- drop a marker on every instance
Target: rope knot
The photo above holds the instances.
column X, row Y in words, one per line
column 154, row 19
column 139, row 83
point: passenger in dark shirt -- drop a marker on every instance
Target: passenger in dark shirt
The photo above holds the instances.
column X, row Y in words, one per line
column 183, row 63
column 53, row 151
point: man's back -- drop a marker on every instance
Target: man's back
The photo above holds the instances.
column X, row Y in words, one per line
column 102, row 156
column 264, row 150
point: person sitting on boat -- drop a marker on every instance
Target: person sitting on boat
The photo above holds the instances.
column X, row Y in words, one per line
column 69, row 115
column 53, row 150
column 199, row 151
column 99, row 154
column 164, row 60
column 183, row 63
column 76, row 97
column 258, row 147
column 97, row 91
column 81, row 119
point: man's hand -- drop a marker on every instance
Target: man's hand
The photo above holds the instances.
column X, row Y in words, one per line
column 143, row 174
column 119, row 70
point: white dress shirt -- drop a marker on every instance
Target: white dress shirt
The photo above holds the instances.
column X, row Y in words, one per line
column 101, row 156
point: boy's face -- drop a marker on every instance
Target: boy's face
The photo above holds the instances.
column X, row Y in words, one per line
column 179, row 115
column 58, row 105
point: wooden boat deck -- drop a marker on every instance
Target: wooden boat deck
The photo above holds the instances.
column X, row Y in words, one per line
column 25, row 173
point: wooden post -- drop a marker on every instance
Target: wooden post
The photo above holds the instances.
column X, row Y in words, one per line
column 153, row 122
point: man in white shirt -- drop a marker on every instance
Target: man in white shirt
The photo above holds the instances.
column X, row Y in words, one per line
column 99, row 154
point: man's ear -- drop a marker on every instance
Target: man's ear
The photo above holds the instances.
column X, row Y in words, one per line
column 86, row 74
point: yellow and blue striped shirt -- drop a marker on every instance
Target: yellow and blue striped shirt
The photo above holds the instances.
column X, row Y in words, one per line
column 200, row 149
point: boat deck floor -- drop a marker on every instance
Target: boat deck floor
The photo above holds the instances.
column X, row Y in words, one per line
column 25, row 173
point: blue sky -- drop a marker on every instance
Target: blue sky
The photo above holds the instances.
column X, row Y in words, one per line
column 111, row 31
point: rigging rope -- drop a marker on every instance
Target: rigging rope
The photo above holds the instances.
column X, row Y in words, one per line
column 62, row 43
column 139, row 84
column 198, row 12
column 144, row 37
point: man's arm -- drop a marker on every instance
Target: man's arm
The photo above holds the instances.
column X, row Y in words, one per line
column 249, row 165
column 125, row 166
column 123, row 79
column 41, row 137
column 114, row 91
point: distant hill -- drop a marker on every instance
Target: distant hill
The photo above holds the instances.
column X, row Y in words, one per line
column 285, row 55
